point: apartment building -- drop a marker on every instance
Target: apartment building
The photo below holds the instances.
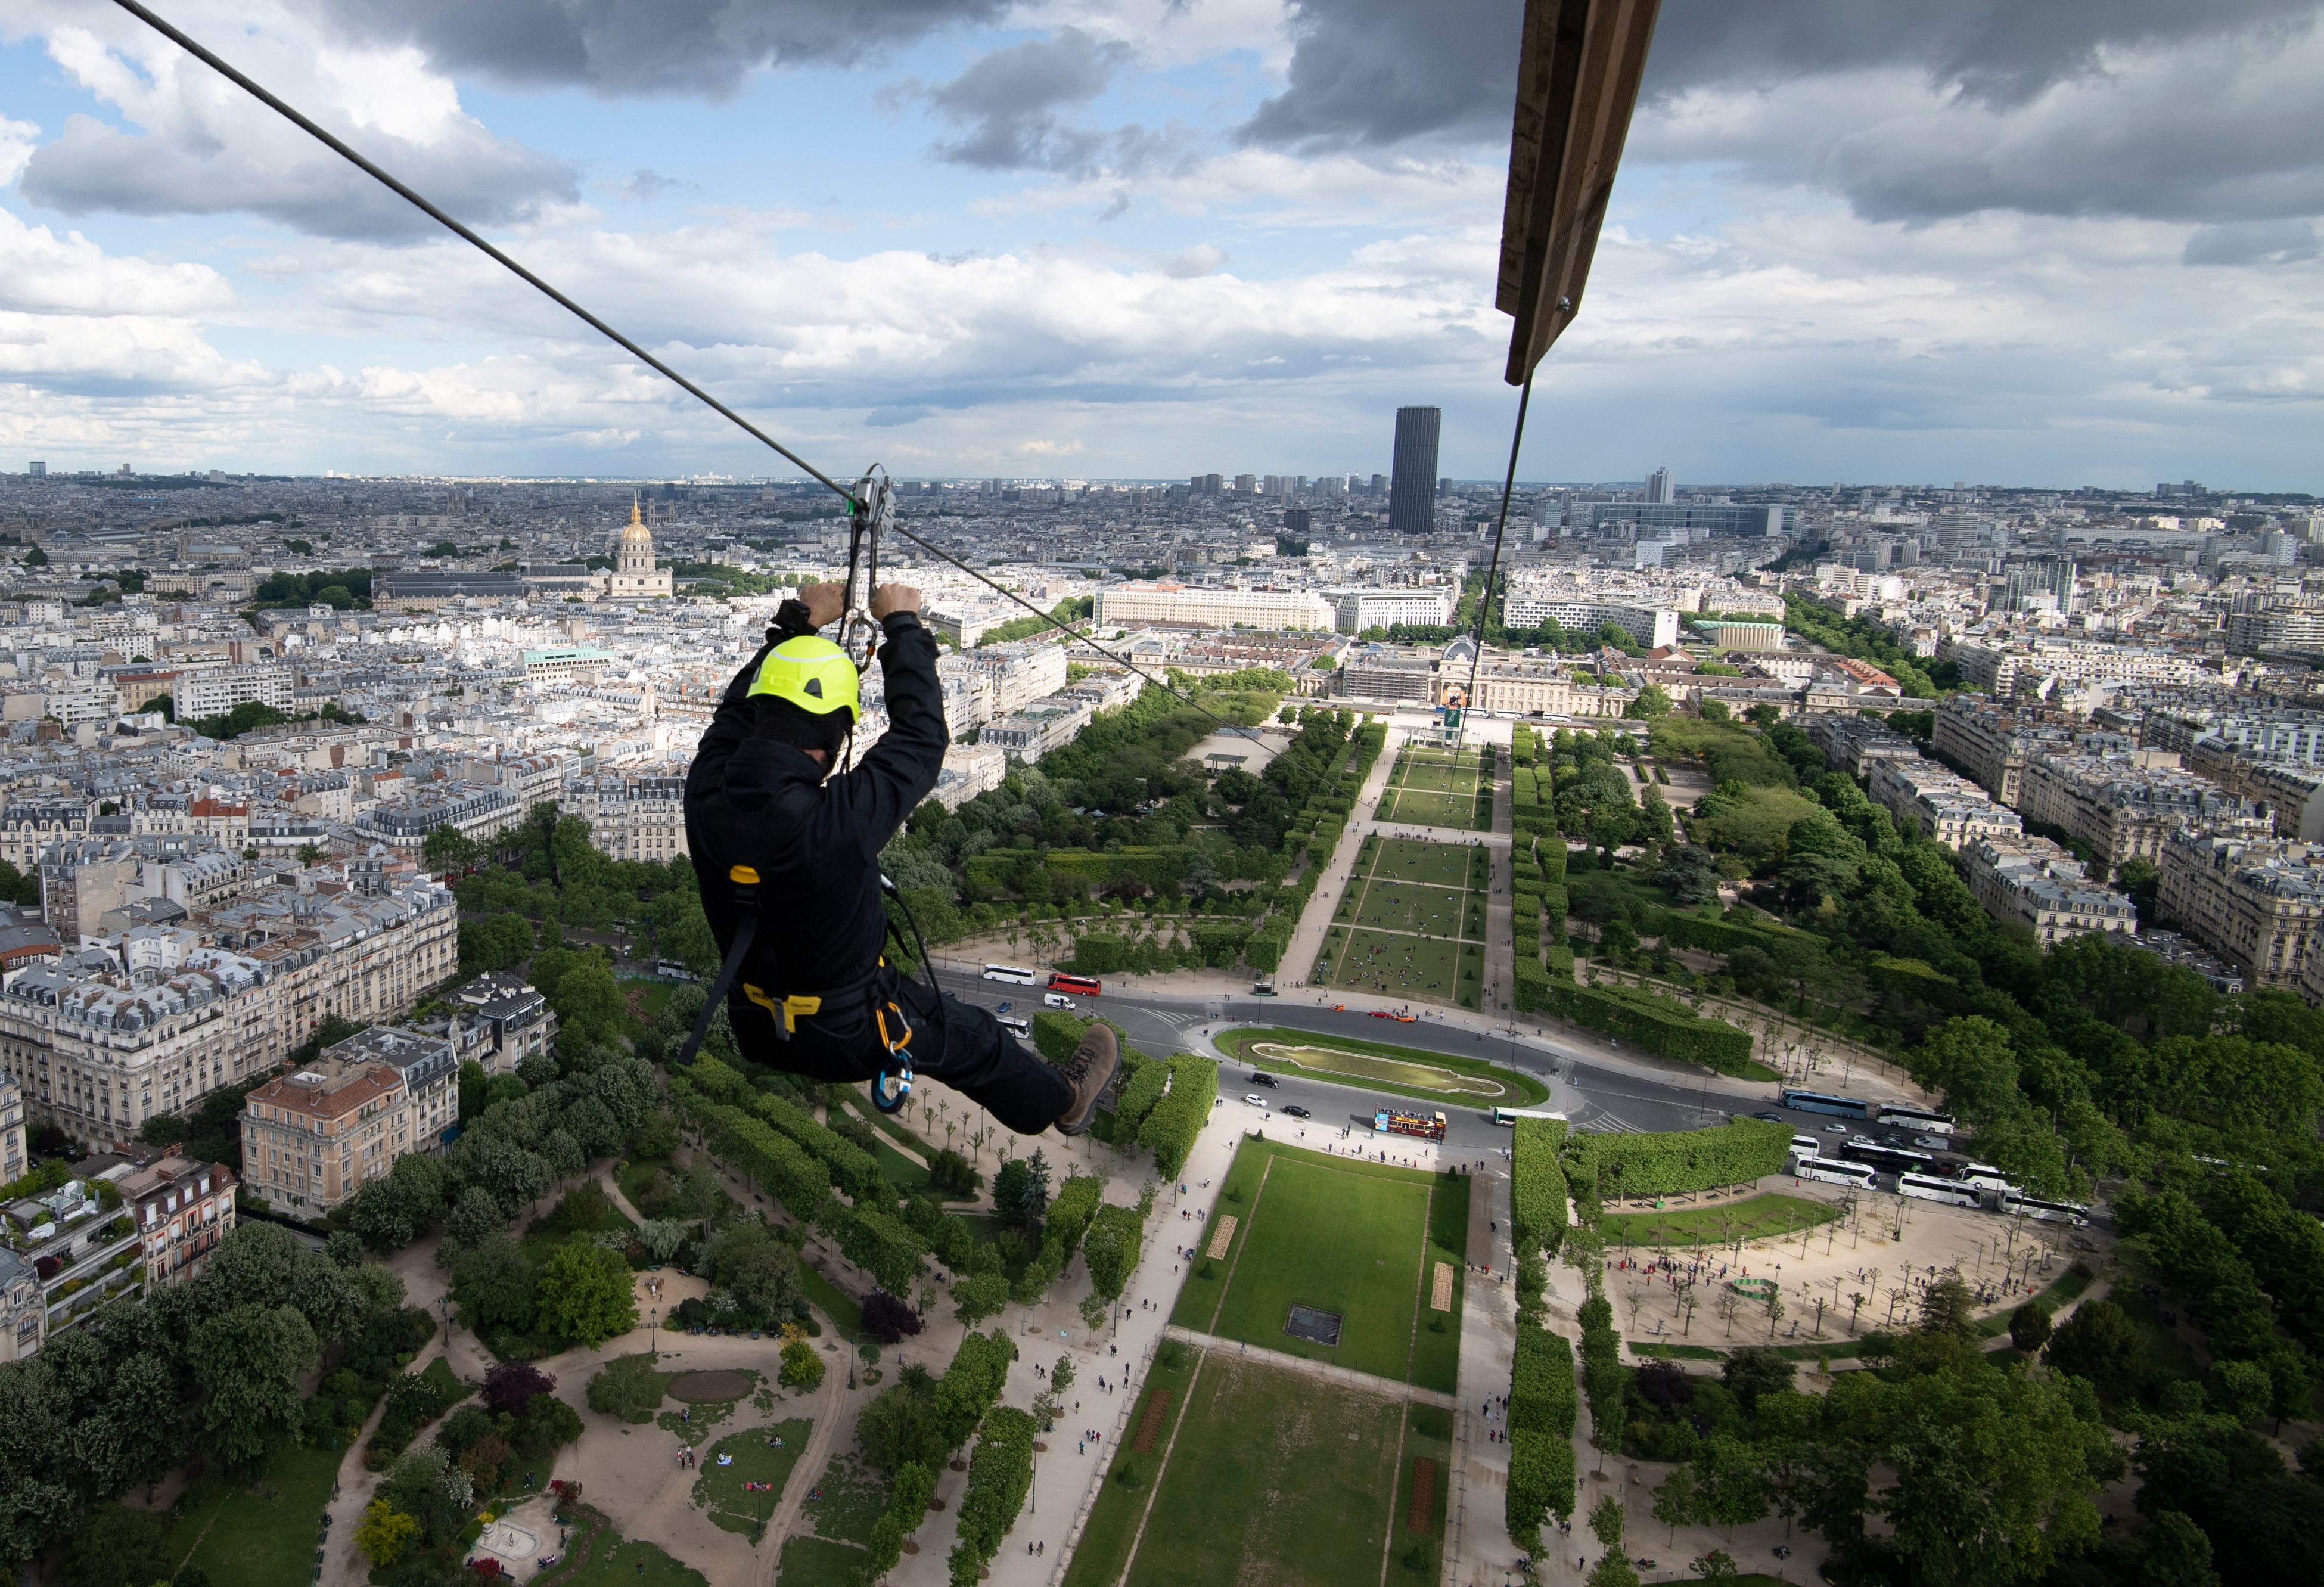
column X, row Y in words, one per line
column 100, row 1043
column 23, row 1316
column 1018, row 674
column 1137, row 603
column 1938, row 803
column 631, row 818
column 968, row 770
column 478, row 811
column 1992, row 742
column 1851, row 743
column 13, row 1162
column 215, row 691
column 1649, row 627
column 1356, row 610
column 2255, row 901
column 81, row 1246
column 497, row 1021
column 311, row 1139
column 182, row 1208
column 1033, row 732
column 2032, row 881
column 2122, row 806
column 27, row 830
column 430, row 1068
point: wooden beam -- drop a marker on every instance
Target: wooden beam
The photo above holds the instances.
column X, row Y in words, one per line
column 1578, row 70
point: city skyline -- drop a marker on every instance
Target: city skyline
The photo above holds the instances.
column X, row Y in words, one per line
column 1090, row 244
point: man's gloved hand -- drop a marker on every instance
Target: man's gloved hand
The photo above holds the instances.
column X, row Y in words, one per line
column 825, row 604
column 890, row 598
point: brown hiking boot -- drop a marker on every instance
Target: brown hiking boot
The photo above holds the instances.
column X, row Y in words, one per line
column 1089, row 1072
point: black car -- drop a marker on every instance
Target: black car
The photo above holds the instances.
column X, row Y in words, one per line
column 1771, row 1118
column 1261, row 1077
column 1294, row 1111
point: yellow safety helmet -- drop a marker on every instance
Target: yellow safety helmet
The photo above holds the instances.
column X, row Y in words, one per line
column 813, row 674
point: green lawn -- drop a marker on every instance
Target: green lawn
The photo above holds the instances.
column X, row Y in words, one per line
column 1427, row 968
column 1427, row 1435
column 1428, row 1078
column 816, row 1562
column 854, row 1495
column 1369, row 1272
column 846, row 1313
column 1459, row 812
column 237, row 1536
column 719, row 1488
column 1529, row 1092
column 1436, row 1354
column 1104, row 1547
column 1758, row 1217
column 1431, row 911
column 619, row 1563
column 1432, row 864
column 1274, row 1478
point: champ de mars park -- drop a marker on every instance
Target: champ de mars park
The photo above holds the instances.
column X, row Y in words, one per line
column 1470, row 1209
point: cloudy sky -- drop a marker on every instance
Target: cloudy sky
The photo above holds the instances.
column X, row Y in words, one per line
column 1856, row 240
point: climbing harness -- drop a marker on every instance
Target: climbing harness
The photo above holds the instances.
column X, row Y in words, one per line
column 746, row 927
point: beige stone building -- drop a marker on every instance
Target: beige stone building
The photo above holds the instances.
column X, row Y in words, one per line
column 182, row 1208
column 311, row 1139
column 2121, row 805
column 630, row 817
column 2255, row 901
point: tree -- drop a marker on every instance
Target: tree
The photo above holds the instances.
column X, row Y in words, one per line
column 901, row 1427
column 1730, row 1490
column 248, row 1362
column 585, row 1293
column 628, row 1389
column 2099, row 1344
column 979, row 1297
column 802, row 1367
column 1021, row 1191
column 475, row 1218
column 114, row 1546
column 1948, row 1309
column 1717, row 1566
column 510, row 1385
column 1653, row 701
column 1674, row 1501
column 2029, row 1328
column 759, row 1270
column 1606, row 1523
column 1754, row 1371
column 384, row 1534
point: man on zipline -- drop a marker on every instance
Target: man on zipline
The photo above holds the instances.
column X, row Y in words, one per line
column 788, row 858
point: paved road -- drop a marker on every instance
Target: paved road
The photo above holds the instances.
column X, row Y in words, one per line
column 1591, row 1095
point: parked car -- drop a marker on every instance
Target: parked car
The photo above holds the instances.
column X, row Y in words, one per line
column 1771, row 1118
column 1928, row 1143
column 1261, row 1077
column 1295, row 1111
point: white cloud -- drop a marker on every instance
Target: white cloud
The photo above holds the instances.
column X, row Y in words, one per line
column 16, row 145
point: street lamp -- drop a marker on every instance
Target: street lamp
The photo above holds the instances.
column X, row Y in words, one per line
column 653, row 1336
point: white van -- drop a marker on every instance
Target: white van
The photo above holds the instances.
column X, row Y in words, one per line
column 1058, row 999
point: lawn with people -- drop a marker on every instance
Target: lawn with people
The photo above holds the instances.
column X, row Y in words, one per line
column 1439, row 788
column 1425, row 968
column 1372, row 1282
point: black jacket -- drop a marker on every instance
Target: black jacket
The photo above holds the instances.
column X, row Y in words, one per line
column 821, row 919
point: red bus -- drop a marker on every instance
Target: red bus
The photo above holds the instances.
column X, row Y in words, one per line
column 1061, row 981
column 1394, row 1122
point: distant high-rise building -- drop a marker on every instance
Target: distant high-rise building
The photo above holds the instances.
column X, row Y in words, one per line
column 1412, row 506
column 40, row 471
column 1379, row 484
column 1658, row 489
column 1245, row 484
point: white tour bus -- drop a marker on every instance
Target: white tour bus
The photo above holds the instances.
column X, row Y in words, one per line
column 2049, row 1212
column 1984, row 1177
column 1010, row 972
column 1832, row 1171
column 1805, row 1146
column 1919, row 1120
column 1510, row 1116
column 1926, row 1188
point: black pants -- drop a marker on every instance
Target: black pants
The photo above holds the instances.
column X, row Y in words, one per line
column 963, row 1046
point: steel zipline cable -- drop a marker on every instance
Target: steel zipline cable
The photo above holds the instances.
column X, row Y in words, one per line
column 1485, row 596
column 370, row 168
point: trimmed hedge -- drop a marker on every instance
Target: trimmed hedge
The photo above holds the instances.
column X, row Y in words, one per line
column 1658, row 1024
column 1680, row 929
column 800, row 1181
column 1541, row 1480
column 1555, row 906
column 1542, row 1394
column 884, row 1247
column 1552, row 855
column 1601, row 1372
column 1139, row 1092
column 853, row 1169
column 1529, row 984
column 1537, row 1184
column 1561, row 962
column 1170, row 1129
column 999, row 1474
column 1733, row 1153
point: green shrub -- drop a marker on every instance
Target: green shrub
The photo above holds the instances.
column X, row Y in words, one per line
column 1658, row 1024
column 1695, row 1159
